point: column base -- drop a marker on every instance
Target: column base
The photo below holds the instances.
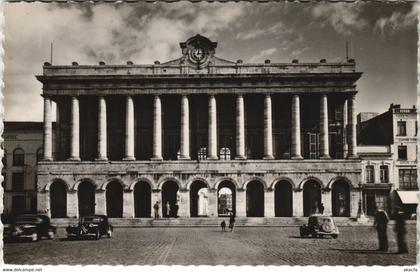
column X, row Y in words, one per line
column 212, row 158
column 129, row 159
column 268, row 157
column 240, row 157
column 47, row 159
column 74, row 159
column 297, row 157
column 184, row 158
column 352, row 157
column 101, row 159
column 325, row 157
column 156, row 159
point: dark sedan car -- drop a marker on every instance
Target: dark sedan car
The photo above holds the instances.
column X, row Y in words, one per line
column 92, row 225
column 32, row 226
column 319, row 226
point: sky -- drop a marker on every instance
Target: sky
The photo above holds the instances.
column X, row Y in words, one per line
column 383, row 40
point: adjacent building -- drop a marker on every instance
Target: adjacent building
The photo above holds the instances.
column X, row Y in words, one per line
column 276, row 139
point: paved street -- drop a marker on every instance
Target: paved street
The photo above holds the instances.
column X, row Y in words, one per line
column 194, row 246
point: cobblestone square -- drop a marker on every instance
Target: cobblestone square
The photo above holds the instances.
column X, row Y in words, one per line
column 209, row 246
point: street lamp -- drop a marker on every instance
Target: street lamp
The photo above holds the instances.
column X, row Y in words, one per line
column 362, row 216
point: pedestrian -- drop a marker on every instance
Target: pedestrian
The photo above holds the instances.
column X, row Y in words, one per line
column 231, row 221
column 223, row 225
column 156, row 209
column 321, row 208
column 176, row 208
column 381, row 223
column 401, row 231
column 168, row 209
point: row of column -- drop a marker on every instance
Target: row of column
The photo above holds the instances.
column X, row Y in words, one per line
column 184, row 203
column 349, row 118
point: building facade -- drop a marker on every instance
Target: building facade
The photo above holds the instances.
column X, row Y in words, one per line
column 264, row 140
column 388, row 149
column 22, row 150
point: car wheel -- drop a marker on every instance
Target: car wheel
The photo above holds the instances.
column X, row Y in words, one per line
column 109, row 233
column 34, row 237
column 97, row 235
column 50, row 234
column 335, row 236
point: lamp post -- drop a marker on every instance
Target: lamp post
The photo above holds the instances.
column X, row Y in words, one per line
column 362, row 216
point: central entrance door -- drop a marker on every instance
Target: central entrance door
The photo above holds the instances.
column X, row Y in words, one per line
column 226, row 198
column 142, row 199
column 198, row 199
column 255, row 199
column 169, row 196
column 311, row 197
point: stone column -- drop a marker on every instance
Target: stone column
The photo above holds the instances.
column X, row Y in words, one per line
column 102, row 130
column 296, row 146
column 326, row 201
column 212, row 149
column 268, row 129
column 100, row 201
column 72, row 204
column 157, row 129
column 213, row 209
column 44, row 203
column 269, row 203
column 355, row 198
column 185, row 129
column 345, row 121
column 298, row 203
column 128, row 203
column 241, row 202
column 352, row 140
column 156, row 196
column 129, row 130
column 184, row 203
column 323, row 127
column 47, row 130
column 74, row 130
column 240, row 128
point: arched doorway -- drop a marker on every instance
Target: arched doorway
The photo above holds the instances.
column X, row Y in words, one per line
column 226, row 198
column 142, row 199
column 255, row 199
column 58, row 199
column 340, row 198
column 170, row 195
column 198, row 199
column 86, row 198
column 311, row 197
column 114, row 199
column 283, row 198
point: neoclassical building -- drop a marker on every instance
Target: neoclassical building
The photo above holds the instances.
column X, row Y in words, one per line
column 205, row 134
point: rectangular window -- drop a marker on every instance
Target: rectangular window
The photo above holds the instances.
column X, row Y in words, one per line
column 402, row 152
column 18, row 182
column 401, row 128
column 384, row 173
column 408, row 179
column 18, row 204
column 370, row 174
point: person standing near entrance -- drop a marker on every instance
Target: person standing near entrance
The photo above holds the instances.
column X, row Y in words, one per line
column 156, row 209
column 381, row 223
column 401, row 231
column 321, row 208
column 231, row 221
column 168, row 209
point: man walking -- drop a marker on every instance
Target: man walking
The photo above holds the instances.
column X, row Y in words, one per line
column 381, row 223
column 231, row 221
column 401, row 231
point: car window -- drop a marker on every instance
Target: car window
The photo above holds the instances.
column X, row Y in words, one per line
column 28, row 220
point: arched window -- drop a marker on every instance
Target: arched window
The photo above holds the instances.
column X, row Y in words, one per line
column 18, row 157
column 224, row 154
column 202, row 153
column 39, row 154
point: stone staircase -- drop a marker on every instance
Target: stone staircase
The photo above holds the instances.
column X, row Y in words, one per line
column 212, row 222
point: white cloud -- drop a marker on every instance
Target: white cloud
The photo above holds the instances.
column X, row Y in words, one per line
column 388, row 25
column 263, row 54
column 344, row 18
column 278, row 28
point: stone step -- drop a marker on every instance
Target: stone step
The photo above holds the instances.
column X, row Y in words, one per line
column 210, row 222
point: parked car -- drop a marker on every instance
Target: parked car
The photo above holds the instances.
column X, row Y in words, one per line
column 32, row 226
column 88, row 226
column 319, row 226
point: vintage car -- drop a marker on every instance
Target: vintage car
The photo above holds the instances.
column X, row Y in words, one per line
column 318, row 226
column 90, row 226
column 32, row 226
